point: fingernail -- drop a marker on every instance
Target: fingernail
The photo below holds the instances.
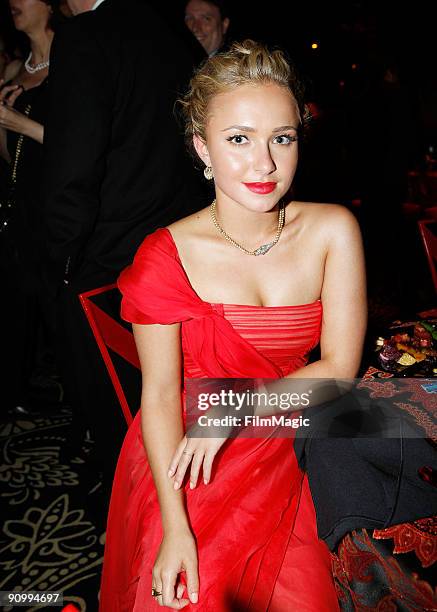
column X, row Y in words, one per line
column 205, row 481
column 176, row 485
column 192, row 485
column 194, row 597
column 170, row 473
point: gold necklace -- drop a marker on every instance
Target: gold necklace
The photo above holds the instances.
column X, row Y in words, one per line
column 261, row 250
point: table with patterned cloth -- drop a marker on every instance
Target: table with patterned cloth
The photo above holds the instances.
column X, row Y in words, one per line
column 388, row 569
column 394, row 568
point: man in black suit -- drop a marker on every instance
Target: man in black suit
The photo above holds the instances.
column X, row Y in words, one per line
column 115, row 170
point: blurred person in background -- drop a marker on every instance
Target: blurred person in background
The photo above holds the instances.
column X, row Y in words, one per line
column 208, row 20
column 28, row 311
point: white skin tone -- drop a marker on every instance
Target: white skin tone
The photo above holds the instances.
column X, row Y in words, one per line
column 65, row 9
column 319, row 256
column 205, row 22
column 80, row 6
column 31, row 17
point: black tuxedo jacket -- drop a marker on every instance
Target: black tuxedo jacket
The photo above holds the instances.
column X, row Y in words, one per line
column 115, row 161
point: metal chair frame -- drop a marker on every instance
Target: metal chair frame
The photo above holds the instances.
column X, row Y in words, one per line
column 110, row 334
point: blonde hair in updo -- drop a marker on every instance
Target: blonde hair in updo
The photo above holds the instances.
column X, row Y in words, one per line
column 245, row 62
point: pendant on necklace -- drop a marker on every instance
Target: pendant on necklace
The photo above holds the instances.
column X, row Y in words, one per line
column 264, row 248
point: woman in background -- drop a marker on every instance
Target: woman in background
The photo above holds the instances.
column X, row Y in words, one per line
column 28, row 311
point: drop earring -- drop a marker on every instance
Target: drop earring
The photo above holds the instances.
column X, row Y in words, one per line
column 208, row 173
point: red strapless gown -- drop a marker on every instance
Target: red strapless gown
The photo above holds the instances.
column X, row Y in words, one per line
column 254, row 523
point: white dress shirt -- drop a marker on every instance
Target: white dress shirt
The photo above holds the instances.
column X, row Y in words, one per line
column 98, row 3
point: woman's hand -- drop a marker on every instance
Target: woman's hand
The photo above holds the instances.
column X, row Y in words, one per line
column 200, row 452
column 9, row 93
column 12, row 120
column 177, row 553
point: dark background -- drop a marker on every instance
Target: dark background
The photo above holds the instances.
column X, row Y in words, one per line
column 355, row 38
column 364, row 137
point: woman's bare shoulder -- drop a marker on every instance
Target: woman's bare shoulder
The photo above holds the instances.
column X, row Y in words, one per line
column 321, row 209
column 329, row 217
column 191, row 226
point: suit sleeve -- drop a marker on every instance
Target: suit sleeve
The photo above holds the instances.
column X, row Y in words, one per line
column 77, row 136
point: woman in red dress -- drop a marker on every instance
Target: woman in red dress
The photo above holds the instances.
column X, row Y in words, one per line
column 245, row 288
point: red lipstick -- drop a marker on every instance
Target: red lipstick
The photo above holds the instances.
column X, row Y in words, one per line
column 261, row 188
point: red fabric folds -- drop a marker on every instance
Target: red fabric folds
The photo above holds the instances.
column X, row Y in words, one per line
column 209, row 337
column 254, row 523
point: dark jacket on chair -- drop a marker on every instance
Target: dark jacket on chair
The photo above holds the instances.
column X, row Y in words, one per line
column 365, row 464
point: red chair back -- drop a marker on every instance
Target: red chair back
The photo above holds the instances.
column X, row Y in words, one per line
column 110, row 334
column 430, row 213
column 430, row 244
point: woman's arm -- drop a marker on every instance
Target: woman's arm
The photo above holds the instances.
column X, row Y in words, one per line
column 161, row 412
column 10, row 119
column 159, row 350
column 344, row 301
column 34, row 130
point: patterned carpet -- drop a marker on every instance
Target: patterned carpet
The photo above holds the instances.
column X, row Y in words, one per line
column 51, row 538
